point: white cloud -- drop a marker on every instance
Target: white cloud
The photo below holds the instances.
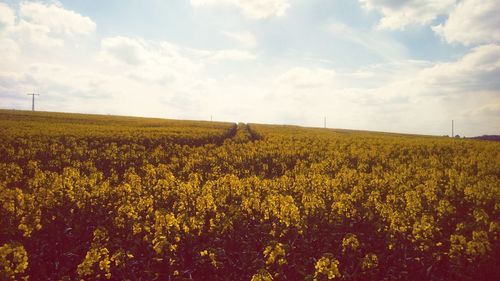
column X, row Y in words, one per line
column 465, row 79
column 166, row 55
column 434, row 93
column 100, row 89
column 123, row 49
column 400, row 96
column 43, row 25
column 56, row 19
column 472, row 22
column 253, row 9
column 476, row 71
column 27, row 33
column 245, row 38
column 130, row 76
column 488, row 110
column 7, row 16
column 400, row 14
column 469, row 22
column 385, row 47
column 305, row 78
column 232, row 55
column 145, row 61
column 9, row 50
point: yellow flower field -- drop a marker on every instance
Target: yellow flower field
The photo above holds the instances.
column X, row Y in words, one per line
column 89, row 197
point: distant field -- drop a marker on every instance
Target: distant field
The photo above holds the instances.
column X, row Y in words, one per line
column 97, row 197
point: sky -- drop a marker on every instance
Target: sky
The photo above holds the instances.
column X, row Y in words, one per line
column 408, row 66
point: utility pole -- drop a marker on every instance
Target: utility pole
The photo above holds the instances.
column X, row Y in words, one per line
column 325, row 122
column 452, row 129
column 33, row 101
column 210, row 118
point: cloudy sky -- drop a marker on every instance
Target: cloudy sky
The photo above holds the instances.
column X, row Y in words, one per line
column 387, row 65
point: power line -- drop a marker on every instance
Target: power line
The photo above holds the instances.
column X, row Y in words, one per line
column 33, row 101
